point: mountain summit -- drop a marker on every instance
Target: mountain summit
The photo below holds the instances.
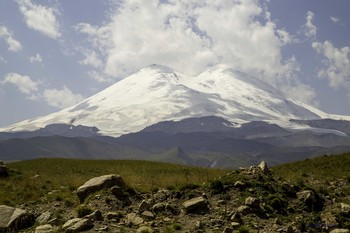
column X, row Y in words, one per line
column 158, row 93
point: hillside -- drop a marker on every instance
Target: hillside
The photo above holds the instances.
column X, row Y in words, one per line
column 311, row 195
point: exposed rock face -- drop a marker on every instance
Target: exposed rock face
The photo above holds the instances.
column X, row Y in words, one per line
column 14, row 218
column 99, row 183
column 196, row 206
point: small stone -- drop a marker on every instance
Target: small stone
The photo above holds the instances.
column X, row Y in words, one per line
column 228, row 230
column 158, row 208
column 290, row 229
column 144, row 206
column 95, row 216
column 236, row 217
column 144, row 229
column 47, row 228
column 345, row 208
column 112, row 215
column 244, row 210
column 196, row 206
column 252, row 202
column 133, row 219
column 339, row 230
column 239, row 184
column 78, row 225
column 235, row 225
column 104, row 228
column 278, row 221
column 147, row 215
column 43, row 218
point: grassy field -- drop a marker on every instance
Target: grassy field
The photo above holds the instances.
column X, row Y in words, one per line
column 30, row 180
column 325, row 168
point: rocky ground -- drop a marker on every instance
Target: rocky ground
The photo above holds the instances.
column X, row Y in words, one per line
column 245, row 200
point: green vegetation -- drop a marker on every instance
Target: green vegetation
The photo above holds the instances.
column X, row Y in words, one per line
column 57, row 178
column 326, row 168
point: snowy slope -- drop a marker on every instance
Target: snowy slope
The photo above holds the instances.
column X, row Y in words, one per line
column 157, row 93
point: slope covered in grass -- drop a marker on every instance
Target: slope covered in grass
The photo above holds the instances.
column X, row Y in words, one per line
column 32, row 179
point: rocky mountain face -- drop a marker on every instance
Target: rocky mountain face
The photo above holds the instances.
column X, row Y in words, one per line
column 250, row 199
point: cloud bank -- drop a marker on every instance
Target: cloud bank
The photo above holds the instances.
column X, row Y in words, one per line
column 191, row 36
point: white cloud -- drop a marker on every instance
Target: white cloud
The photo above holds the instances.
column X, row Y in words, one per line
column 334, row 19
column 40, row 18
column 336, row 62
column 3, row 60
column 91, row 59
column 23, row 83
column 13, row 44
column 190, row 36
column 61, row 98
column 309, row 27
column 36, row 58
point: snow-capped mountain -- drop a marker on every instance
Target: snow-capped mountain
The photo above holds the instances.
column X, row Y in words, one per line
column 157, row 93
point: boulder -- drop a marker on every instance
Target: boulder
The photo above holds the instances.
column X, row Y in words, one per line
column 310, row 199
column 243, row 209
column 78, row 225
column 196, row 206
column 47, row 228
column 12, row 219
column 263, row 166
column 99, row 183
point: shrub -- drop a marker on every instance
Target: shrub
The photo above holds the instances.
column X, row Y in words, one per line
column 243, row 229
column 216, row 186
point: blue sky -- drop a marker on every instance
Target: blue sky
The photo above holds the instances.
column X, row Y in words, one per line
column 55, row 53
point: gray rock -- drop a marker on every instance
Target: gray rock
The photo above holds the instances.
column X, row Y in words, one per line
column 148, row 215
column 132, row 219
column 144, row 206
column 345, row 208
column 338, row 230
column 235, row 225
column 239, row 184
column 95, row 216
column 236, row 217
column 77, row 225
column 244, row 210
column 196, row 206
column 308, row 197
column 14, row 218
column 47, row 228
column 112, row 215
column 144, row 229
column 290, row 229
column 99, row 183
column 263, row 166
column 44, row 218
column 228, row 230
column 252, row 202
column 158, row 208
